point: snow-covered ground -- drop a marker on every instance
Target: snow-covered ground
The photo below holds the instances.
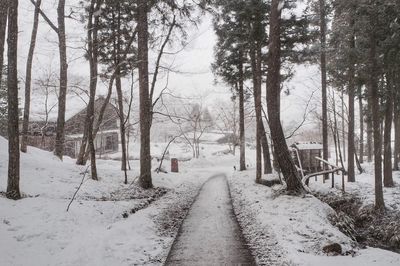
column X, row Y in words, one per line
column 37, row 230
column 281, row 230
column 287, row 230
column 363, row 188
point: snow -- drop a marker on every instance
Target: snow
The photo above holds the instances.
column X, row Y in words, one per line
column 363, row 188
column 280, row 229
column 308, row 146
column 299, row 226
column 37, row 230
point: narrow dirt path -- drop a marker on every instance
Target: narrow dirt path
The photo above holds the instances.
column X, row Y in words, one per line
column 210, row 234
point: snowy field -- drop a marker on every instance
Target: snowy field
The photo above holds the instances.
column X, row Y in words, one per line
column 280, row 230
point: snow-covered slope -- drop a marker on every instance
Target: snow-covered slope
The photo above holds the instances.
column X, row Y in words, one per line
column 37, row 230
column 287, row 230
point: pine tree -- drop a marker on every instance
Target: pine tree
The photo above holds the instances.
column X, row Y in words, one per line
column 282, row 154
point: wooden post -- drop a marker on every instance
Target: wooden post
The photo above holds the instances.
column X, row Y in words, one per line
column 343, row 182
column 174, row 165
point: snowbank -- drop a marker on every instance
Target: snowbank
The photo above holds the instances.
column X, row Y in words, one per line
column 286, row 230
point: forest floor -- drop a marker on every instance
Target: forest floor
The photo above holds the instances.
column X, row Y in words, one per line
column 110, row 223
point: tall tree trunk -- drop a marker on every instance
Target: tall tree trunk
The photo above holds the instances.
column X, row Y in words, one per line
column 28, row 77
column 13, row 191
column 122, row 125
column 282, row 154
column 369, row 128
column 351, row 89
column 337, row 137
column 322, row 7
column 99, row 120
column 257, row 105
column 3, row 25
column 374, row 98
column 265, row 150
column 92, row 35
column 145, row 179
column 397, row 136
column 241, row 122
column 387, row 142
column 343, row 127
column 62, row 96
column 361, row 111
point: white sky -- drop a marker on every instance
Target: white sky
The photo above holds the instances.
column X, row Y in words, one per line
column 194, row 76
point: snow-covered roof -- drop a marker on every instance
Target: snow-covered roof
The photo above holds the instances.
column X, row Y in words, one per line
column 308, row 146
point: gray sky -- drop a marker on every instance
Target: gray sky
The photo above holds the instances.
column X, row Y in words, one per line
column 193, row 74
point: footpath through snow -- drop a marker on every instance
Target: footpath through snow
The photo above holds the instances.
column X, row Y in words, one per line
column 210, row 234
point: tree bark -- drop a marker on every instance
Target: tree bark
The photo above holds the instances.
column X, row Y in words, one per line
column 374, row 98
column 3, row 25
column 122, row 127
column 369, row 128
column 13, row 191
column 265, row 150
column 145, row 179
column 283, row 157
column 92, row 33
column 322, row 6
column 387, row 142
column 60, row 133
column 343, row 127
column 241, row 122
column 396, row 137
column 361, row 111
column 351, row 90
column 257, row 104
column 28, row 77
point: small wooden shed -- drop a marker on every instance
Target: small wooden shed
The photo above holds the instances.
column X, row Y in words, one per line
column 304, row 155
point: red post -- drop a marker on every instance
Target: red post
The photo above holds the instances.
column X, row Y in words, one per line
column 174, row 165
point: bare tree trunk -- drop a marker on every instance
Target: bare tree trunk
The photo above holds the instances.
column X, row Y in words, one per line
column 350, row 136
column 396, row 137
column 99, row 120
column 60, row 133
column 322, row 7
column 282, row 154
column 369, row 128
column 122, row 125
column 13, row 191
column 337, row 137
column 241, row 122
column 374, row 98
column 343, row 127
column 257, row 104
column 361, row 111
column 93, row 21
column 387, row 142
column 265, row 149
column 28, row 77
column 3, row 25
column 145, row 179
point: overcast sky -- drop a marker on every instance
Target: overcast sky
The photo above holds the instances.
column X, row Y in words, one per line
column 193, row 74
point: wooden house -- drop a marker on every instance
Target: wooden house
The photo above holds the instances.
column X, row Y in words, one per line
column 304, row 155
column 107, row 138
